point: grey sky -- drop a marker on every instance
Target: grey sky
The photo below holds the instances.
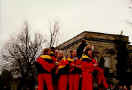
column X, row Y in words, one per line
column 74, row 16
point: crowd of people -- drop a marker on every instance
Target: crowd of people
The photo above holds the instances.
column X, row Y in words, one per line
column 72, row 72
column 119, row 87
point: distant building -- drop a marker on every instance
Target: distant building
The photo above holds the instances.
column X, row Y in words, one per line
column 105, row 47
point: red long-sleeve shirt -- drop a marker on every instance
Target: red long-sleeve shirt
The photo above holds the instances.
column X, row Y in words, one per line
column 45, row 63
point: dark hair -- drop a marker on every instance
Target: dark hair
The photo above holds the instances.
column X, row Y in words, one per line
column 71, row 51
column 86, row 51
column 52, row 48
column 83, row 41
column 53, row 51
column 45, row 51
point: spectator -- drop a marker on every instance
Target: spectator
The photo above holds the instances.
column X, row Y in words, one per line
column 130, row 87
column 81, row 48
column 120, row 87
column 111, row 87
column 125, row 87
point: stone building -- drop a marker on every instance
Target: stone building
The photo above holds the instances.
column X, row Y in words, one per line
column 104, row 46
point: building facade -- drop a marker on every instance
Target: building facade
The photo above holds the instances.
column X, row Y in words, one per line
column 105, row 48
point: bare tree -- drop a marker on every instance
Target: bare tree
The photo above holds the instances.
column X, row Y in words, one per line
column 22, row 51
column 54, row 33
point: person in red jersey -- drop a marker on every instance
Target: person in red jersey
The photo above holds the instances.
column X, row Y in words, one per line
column 101, row 80
column 53, row 54
column 89, row 65
column 74, row 70
column 62, row 71
column 45, row 65
column 87, row 68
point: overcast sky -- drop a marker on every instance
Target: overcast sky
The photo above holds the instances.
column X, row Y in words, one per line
column 74, row 16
